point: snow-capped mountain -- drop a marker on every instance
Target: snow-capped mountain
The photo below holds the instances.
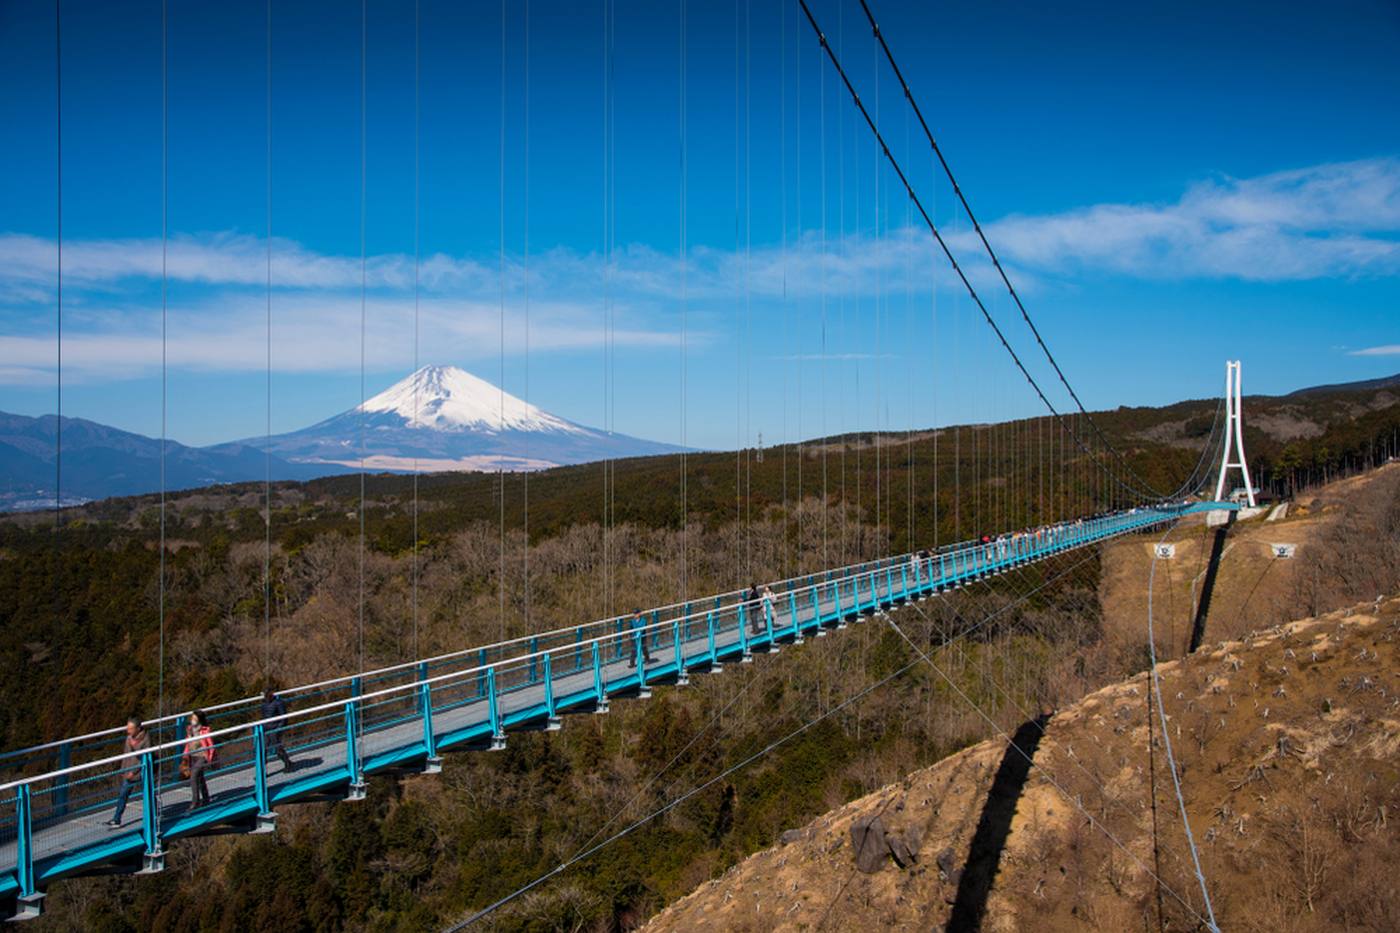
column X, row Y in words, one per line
column 445, row 398
column 445, row 418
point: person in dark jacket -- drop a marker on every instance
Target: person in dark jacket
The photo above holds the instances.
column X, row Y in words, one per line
column 274, row 707
column 753, row 608
column 639, row 623
column 137, row 741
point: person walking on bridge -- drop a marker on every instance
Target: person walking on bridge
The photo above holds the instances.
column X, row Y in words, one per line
column 770, row 612
column 137, row 741
column 639, row 624
column 753, row 607
column 274, row 707
column 199, row 755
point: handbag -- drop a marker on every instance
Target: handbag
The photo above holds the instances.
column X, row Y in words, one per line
column 184, row 769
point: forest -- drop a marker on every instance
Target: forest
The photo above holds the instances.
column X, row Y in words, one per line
column 253, row 595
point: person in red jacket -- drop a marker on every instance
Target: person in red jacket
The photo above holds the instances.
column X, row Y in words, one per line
column 199, row 755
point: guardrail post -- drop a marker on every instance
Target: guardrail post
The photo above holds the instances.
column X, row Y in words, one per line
column 889, row 588
column 746, row 657
column 552, row 723
column 685, row 614
column 768, row 612
column 356, row 790
column 599, row 691
column 792, row 613
column 816, row 615
column 153, row 858
column 432, row 763
column 60, row 791
column 639, row 656
column 498, row 735
column 710, row 625
column 30, row 902
column 481, row 673
column 682, row 675
column 264, row 821
column 534, row 661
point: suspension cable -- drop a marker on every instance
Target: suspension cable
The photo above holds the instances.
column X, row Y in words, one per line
column 967, row 208
column 676, row 801
column 938, row 237
column 501, row 383
column 417, row 292
column 164, row 330
column 1096, row 823
column 1167, row 743
column 683, row 65
column 364, row 273
column 525, row 435
column 267, row 447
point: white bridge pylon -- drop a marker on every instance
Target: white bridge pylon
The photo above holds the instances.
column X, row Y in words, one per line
column 1234, row 434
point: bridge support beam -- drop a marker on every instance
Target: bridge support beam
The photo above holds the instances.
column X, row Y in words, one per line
column 264, row 821
column 153, row 858
column 30, row 902
column 357, row 789
column 498, row 735
column 432, row 761
column 552, row 721
column 682, row 675
column 639, row 660
column 600, row 693
column 747, row 656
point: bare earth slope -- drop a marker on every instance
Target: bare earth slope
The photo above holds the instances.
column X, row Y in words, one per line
column 1346, row 536
column 1288, row 745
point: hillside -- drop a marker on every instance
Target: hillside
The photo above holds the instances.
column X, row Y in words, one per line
column 424, row 850
column 1287, row 745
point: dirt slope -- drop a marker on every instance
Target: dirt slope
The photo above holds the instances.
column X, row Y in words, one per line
column 1340, row 532
column 1287, row 743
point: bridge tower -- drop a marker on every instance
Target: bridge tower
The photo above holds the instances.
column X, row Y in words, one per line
column 1234, row 434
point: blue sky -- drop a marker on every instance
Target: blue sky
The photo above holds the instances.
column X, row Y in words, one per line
column 1169, row 186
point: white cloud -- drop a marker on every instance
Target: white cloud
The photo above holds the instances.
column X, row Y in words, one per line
column 1390, row 349
column 1336, row 220
column 311, row 333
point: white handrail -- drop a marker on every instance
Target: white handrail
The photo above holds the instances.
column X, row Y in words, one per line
column 418, row 684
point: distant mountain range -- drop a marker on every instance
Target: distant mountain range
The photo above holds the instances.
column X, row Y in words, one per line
column 1365, row 385
column 101, row 461
column 439, row 418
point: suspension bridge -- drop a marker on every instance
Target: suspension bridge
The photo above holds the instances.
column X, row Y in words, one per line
column 56, row 797
column 403, row 717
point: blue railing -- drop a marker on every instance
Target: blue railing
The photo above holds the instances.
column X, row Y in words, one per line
column 406, row 715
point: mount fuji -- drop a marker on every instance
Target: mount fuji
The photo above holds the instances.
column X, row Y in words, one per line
column 444, row 418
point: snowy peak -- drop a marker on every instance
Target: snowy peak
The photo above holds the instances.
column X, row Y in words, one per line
column 446, row 398
column 444, row 418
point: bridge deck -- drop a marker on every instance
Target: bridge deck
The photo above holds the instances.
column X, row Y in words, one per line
column 51, row 824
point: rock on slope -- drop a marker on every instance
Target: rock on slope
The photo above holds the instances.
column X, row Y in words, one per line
column 1287, row 748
